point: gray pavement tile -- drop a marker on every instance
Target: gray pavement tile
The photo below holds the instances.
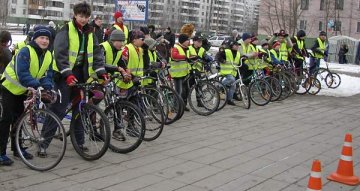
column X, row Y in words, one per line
column 191, row 188
column 253, row 165
column 293, row 174
column 198, row 153
column 56, row 184
column 179, row 170
column 135, row 184
column 269, row 185
column 219, row 179
column 243, row 183
column 164, row 185
column 27, row 181
column 198, row 174
column 233, row 161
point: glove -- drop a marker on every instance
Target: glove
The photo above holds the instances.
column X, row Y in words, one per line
column 71, row 80
column 105, row 77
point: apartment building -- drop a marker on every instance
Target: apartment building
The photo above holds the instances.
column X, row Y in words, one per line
column 336, row 17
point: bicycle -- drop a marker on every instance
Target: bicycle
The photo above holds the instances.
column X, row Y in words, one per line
column 331, row 79
column 203, row 96
column 32, row 136
column 124, row 116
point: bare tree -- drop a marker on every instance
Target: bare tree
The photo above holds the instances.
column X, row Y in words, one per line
column 4, row 11
column 280, row 15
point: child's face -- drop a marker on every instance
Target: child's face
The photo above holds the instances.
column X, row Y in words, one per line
column 82, row 19
column 42, row 41
column 118, row 44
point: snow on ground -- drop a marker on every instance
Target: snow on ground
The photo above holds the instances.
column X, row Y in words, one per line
column 349, row 85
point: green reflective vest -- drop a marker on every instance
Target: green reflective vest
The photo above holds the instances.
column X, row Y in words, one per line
column 126, row 31
column 300, row 45
column 250, row 62
column 74, row 46
column 284, row 51
column 276, row 55
column 135, row 65
column 109, row 56
column 322, row 47
column 12, row 83
column 179, row 69
column 227, row 67
column 197, row 66
column 19, row 46
column 152, row 59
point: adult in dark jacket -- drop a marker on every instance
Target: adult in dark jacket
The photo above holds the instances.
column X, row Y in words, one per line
column 98, row 30
column 31, row 68
column 170, row 37
column 299, row 51
column 318, row 52
column 5, row 53
column 52, row 28
column 342, row 54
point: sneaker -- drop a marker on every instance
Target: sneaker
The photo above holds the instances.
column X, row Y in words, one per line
column 230, row 102
column 118, row 135
column 83, row 148
column 5, row 161
column 26, row 155
column 42, row 153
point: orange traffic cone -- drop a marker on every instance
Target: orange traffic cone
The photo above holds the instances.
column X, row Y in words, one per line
column 315, row 177
column 345, row 170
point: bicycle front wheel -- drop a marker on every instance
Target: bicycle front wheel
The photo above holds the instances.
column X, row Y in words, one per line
column 333, row 80
column 315, row 86
column 174, row 103
column 222, row 93
column 90, row 132
column 260, row 92
column 204, row 98
column 244, row 92
column 125, row 119
column 276, row 89
column 38, row 139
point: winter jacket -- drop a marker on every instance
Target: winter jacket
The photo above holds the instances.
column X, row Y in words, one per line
column 22, row 65
column 61, row 52
column 5, row 58
column 98, row 32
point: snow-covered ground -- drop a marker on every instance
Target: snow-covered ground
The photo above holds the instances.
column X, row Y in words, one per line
column 349, row 85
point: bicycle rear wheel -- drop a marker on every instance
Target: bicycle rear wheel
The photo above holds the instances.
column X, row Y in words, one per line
column 222, row 93
column 90, row 132
column 260, row 92
column 302, row 84
column 204, row 98
column 174, row 104
column 276, row 89
column 126, row 117
column 32, row 135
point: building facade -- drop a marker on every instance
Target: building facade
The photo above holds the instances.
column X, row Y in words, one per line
column 336, row 17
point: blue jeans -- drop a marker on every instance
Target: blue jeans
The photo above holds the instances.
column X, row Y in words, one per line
column 228, row 81
column 314, row 64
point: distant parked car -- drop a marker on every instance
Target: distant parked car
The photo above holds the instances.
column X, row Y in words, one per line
column 217, row 40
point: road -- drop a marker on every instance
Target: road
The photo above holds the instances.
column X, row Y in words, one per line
column 264, row 148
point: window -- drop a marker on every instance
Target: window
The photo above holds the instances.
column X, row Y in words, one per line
column 320, row 25
column 304, row 5
column 25, row 1
column 337, row 26
column 303, row 24
column 14, row 1
column 13, row 11
column 339, row 4
column 358, row 27
column 202, row 13
column 322, row 4
column 24, row 11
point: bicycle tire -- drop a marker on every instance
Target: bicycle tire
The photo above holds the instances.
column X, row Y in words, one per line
column 153, row 115
column 222, row 93
column 315, row 86
column 130, row 115
column 276, row 89
column 209, row 99
column 262, row 88
column 25, row 137
column 244, row 92
column 174, row 104
column 285, row 86
column 94, row 137
column 159, row 96
column 334, row 81
column 302, row 84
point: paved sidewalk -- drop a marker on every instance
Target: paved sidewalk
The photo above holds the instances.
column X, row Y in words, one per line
column 264, row 148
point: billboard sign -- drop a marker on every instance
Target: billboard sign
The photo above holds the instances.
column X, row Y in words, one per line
column 133, row 10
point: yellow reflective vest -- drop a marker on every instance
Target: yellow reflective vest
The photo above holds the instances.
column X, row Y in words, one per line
column 19, row 46
column 135, row 65
column 197, row 66
column 152, row 59
column 322, row 47
column 12, row 83
column 284, row 51
column 250, row 62
column 179, row 69
column 109, row 56
column 74, row 46
column 126, row 31
column 276, row 55
column 227, row 67
column 300, row 45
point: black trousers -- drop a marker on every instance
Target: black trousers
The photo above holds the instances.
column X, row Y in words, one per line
column 13, row 107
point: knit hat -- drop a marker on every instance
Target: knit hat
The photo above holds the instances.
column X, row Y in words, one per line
column 276, row 44
column 246, row 36
column 117, row 35
column 136, row 34
column 41, row 30
column 183, row 38
column 301, row 33
column 322, row 33
column 151, row 42
column 198, row 38
column 117, row 15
